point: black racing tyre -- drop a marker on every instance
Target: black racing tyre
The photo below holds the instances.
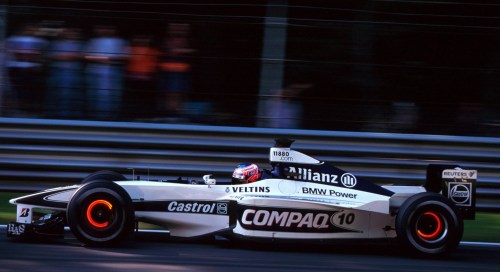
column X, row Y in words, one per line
column 103, row 175
column 100, row 213
column 429, row 224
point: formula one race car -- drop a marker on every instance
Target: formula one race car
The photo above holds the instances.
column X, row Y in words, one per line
column 302, row 199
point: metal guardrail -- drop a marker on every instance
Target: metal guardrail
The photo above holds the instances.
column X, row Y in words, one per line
column 38, row 153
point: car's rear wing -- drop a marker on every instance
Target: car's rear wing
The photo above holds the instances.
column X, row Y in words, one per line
column 455, row 183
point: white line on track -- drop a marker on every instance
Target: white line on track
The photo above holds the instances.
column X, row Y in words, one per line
column 480, row 244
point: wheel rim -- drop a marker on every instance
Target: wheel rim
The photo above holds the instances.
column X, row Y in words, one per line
column 431, row 226
column 99, row 213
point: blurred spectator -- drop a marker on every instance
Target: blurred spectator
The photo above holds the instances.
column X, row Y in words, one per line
column 25, row 68
column 285, row 109
column 140, row 96
column 404, row 117
column 65, row 95
column 175, row 72
column 105, row 54
column 4, row 82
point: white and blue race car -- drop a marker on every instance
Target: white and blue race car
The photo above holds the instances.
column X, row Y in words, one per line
column 301, row 199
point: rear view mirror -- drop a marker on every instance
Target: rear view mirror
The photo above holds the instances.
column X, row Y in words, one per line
column 209, row 180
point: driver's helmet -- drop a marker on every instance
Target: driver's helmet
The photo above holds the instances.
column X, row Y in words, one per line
column 246, row 173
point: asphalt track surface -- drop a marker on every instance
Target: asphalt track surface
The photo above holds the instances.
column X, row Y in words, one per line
column 158, row 252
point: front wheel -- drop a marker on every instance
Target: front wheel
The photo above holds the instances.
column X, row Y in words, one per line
column 103, row 175
column 428, row 224
column 100, row 213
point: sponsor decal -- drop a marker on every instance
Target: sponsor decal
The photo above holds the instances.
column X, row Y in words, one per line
column 203, row 207
column 222, row 208
column 309, row 174
column 25, row 212
column 329, row 192
column 289, row 155
column 16, row 229
column 348, row 180
column 285, row 219
column 248, row 189
column 282, row 156
column 296, row 220
column 460, row 193
column 237, row 197
column 460, row 174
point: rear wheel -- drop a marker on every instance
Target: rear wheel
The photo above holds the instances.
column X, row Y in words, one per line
column 427, row 223
column 100, row 213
